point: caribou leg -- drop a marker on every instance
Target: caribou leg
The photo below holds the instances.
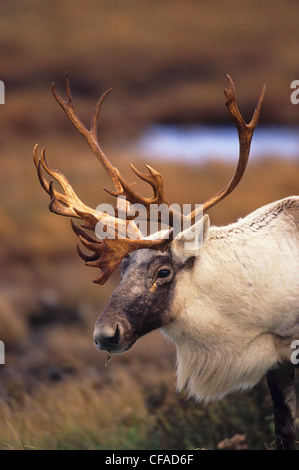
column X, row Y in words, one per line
column 281, row 383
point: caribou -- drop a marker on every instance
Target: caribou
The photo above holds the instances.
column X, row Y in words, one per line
column 228, row 297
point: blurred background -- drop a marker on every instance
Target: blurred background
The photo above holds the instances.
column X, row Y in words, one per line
column 167, row 63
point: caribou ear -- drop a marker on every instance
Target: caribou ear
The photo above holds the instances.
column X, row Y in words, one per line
column 188, row 243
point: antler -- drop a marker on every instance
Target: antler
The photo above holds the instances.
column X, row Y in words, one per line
column 155, row 179
column 245, row 133
column 126, row 237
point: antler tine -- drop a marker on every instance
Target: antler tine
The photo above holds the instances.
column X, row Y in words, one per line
column 154, row 178
column 69, row 204
column 86, row 257
column 245, row 133
column 60, row 203
column 96, row 113
column 89, row 135
column 37, row 161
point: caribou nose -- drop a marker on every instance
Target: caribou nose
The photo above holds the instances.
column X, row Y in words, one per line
column 107, row 337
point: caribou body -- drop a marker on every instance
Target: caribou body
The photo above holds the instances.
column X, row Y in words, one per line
column 227, row 296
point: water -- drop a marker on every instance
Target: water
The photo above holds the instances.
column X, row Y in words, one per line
column 201, row 143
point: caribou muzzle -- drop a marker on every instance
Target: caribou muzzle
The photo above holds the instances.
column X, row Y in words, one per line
column 110, row 337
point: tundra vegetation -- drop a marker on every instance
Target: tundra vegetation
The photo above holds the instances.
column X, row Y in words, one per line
column 55, row 391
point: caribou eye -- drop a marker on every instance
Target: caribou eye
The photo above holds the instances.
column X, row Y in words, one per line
column 163, row 273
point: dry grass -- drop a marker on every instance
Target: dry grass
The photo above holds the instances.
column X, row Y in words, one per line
column 92, row 417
